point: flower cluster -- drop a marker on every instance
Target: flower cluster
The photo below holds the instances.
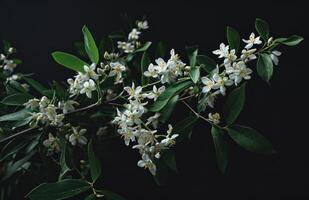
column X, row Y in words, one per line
column 133, row 125
column 6, row 63
column 168, row 71
column 132, row 42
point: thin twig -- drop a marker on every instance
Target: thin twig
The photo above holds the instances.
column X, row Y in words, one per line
column 16, row 134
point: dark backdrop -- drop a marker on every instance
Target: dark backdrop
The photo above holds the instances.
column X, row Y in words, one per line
column 278, row 110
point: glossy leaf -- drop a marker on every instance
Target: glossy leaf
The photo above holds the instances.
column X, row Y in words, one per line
column 167, row 111
column 184, row 127
column 16, row 99
column 90, row 46
column 250, row 139
column 265, row 66
column 143, row 48
column 233, row 38
column 60, row 190
column 234, row 104
column 70, row 61
column 262, row 28
column 171, row 91
column 35, row 84
column 291, row 41
column 95, row 166
column 206, row 63
column 220, row 147
column 64, row 169
column 16, row 116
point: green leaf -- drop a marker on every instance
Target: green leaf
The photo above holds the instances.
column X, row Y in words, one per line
column 145, row 61
column 69, row 61
column 220, row 147
column 16, row 87
column 108, row 195
column 6, row 46
column 95, row 166
column 168, row 156
column 167, row 111
column 90, row 46
column 233, row 38
column 35, row 84
column 60, row 190
column 250, row 139
column 195, row 71
column 16, row 166
column 16, row 99
column 171, row 91
column 22, row 122
column 265, row 66
column 206, row 63
column 202, row 103
column 234, row 104
column 143, row 48
column 291, row 41
column 19, row 115
column 64, row 169
column 262, row 28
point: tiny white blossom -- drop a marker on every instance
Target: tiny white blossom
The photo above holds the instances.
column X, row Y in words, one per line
column 126, row 46
column 155, row 92
column 222, row 51
column 90, row 71
column 247, row 55
column 116, row 70
column 152, row 71
column 134, row 34
column 88, row 87
column 32, row 104
column 221, row 82
column 67, row 106
column 147, row 163
column 52, row 144
column 154, row 120
column 77, row 137
column 252, row 40
column 274, row 56
column 215, row 118
column 209, row 84
column 134, row 92
column 142, row 24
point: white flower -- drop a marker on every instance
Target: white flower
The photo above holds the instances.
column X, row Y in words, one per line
column 2, row 57
column 240, row 72
column 211, row 98
column 44, row 102
column 128, row 134
column 32, row 104
column 116, row 70
column 170, row 138
column 77, row 137
column 126, row 46
column 134, row 92
column 274, row 56
column 152, row 71
column 90, row 71
column 215, row 118
column 14, row 77
column 88, row 87
column 154, row 120
column 142, row 24
column 221, row 82
column 155, row 92
column 9, row 65
column 230, row 57
column 222, row 51
column 52, row 144
column 147, row 163
column 252, row 40
column 161, row 65
column 134, row 34
column 209, row 84
column 67, row 106
column 247, row 55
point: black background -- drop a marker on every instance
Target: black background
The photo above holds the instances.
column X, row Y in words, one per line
column 278, row 110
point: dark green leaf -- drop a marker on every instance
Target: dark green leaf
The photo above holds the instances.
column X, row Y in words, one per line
column 6, row 46
column 171, row 91
column 291, row 41
column 64, row 169
column 262, row 28
column 16, row 99
column 95, row 166
column 202, row 103
column 220, row 147
column 90, row 46
column 22, row 122
column 69, row 61
column 206, row 62
column 195, row 71
column 143, row 48
column 35, row 84
column 60, row 190
column 184, row 127
column 91, row 197
column 265, row 66
column 234, row 104
column 250, row 139
column 19, row 115
column 168, row 109
column 144, row 64
column 233, row 38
